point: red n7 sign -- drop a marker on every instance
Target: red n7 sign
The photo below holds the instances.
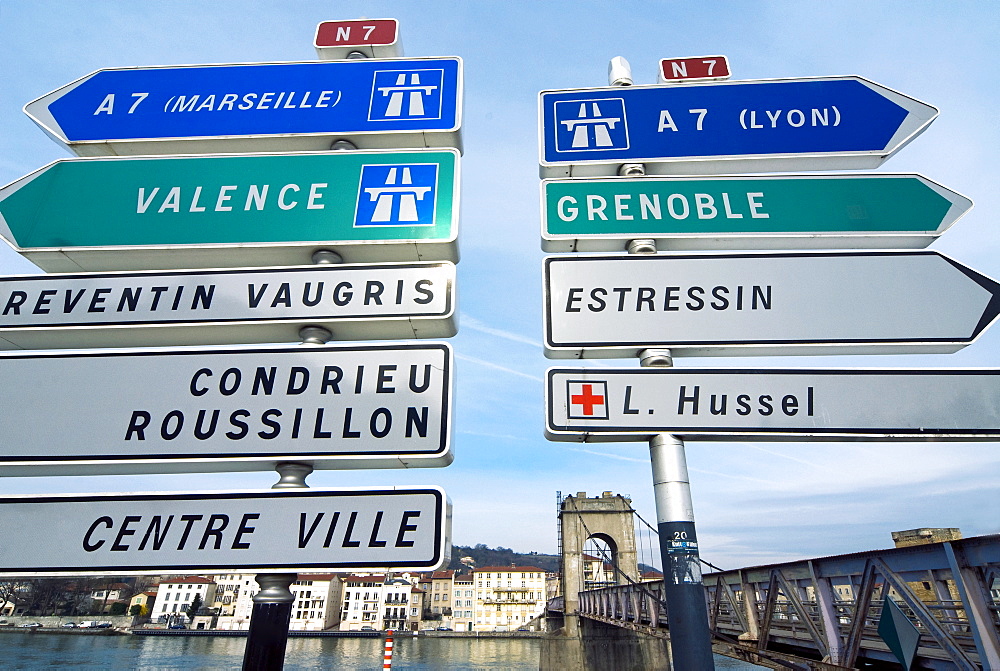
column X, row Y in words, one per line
column 356, row 33
column 704, row 67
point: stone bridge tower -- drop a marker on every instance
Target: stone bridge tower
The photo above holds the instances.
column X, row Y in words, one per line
column 582, row 644
column 607, row 517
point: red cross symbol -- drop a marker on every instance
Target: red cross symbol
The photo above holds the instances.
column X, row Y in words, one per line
column 588, row 399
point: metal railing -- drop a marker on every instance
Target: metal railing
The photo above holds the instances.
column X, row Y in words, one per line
column 824, row 613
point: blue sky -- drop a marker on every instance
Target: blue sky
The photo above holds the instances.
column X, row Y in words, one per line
column 754, row 502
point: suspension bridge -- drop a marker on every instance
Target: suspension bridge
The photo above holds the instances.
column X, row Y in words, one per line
column 826, row 613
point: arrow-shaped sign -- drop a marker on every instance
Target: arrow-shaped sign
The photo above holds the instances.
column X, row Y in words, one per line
column 771, row 304
column 257, row 107
column 822, row 123
column 234, row 210
column 879, row 210
column 618, row 404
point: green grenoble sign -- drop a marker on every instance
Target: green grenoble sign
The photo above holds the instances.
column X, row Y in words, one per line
column 232, row 210
column 747, row 212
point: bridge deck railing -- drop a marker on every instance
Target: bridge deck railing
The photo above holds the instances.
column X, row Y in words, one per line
column 830, row 608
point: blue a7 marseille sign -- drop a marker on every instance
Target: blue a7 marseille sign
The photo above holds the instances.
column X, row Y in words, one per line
column 257, row 106
column 821, row 123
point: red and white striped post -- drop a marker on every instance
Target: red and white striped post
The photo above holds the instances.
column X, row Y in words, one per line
column 387, row 658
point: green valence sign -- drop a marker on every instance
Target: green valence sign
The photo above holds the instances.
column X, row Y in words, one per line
column 752, row 212
column 234, row 210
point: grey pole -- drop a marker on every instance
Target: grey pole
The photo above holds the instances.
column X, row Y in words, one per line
column 687, row 612
column 272, row 605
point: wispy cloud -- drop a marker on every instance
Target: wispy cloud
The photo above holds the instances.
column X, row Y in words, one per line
column 609, row 455
column 482, row 434
column 474, row 324
column 490, row 364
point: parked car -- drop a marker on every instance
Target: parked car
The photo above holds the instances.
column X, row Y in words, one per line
column 445, row 629
column 367, row 628
column 68, row 625
column 31, row 625
column 177, row 626
column 104, row 625
column 88, row 624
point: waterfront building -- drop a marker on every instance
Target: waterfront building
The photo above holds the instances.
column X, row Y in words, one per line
column 464, row 597
column 227, row 592
column 147, row 600
column 380, row 602
column 397, row 593
column 103, row 598
column 508, row 598
column 597, row 572
column 317, row 602
column 438, row 590
column 236, row 613
column 361, row 603
column 175, row 596
column 415, row 609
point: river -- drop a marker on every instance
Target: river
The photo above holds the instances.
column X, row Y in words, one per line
column 38, row 650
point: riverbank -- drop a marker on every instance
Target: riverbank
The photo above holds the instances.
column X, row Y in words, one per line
column 344, row 634
column 67, row 631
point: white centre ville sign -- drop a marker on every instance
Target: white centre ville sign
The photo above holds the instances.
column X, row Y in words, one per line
column 390, row 528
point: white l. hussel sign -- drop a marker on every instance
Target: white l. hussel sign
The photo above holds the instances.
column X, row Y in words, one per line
column 225, row 409
column 400, row 528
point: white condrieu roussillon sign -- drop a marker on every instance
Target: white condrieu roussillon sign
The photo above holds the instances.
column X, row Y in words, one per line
column 620, row 404
column 771, row 304
column 390, row 528
column 225, row 409
column 217, row 307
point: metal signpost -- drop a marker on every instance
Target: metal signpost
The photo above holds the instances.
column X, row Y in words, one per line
column 880, row 210
column 391, row 215
column 226, row 409
column 240, row 210
column 363, row 38
column 218, row 307
column 821, row 123
column 826, row 404
column 288, row 530
column 769, row 304
column 373, row 103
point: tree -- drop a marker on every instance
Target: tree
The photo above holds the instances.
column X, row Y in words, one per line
column 136, row 610
column 195, row 606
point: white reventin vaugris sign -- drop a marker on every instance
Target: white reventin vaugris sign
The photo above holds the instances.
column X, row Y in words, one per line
column 220, row 307
column 390, row 528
